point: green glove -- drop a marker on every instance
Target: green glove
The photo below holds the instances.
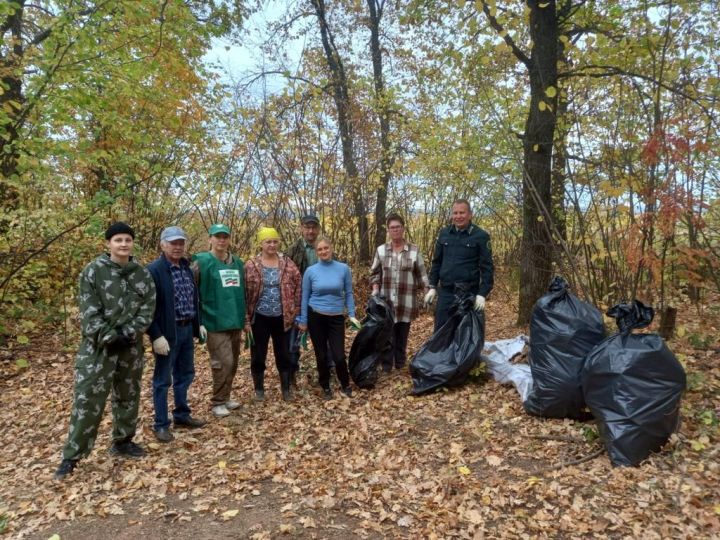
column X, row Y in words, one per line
column 249, row 339
column 303, row 340
column 357, row 325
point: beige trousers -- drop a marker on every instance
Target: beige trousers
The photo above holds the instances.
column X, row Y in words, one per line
column 224, row 349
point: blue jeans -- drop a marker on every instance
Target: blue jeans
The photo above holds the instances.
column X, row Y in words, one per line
column 177, row 367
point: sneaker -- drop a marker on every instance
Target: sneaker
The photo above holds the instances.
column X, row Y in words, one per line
column 327, row 394
column 127, row 449
column 219, row 411
column 347, row 391
column 190, row 423
column 67, row 466
column 232, row 405
column 163, row 435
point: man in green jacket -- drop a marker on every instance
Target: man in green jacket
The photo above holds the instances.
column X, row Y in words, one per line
column 220, row 278
column 117, row 301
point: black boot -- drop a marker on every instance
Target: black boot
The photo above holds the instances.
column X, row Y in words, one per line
column 67, row 466
column 285, row 385
column 259, row 383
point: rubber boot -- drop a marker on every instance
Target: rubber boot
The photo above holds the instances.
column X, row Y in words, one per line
column 285, row 385
column 259, row 383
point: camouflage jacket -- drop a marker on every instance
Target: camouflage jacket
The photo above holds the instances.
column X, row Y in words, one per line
column 114, row 297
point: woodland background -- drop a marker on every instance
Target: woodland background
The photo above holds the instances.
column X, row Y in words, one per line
column 584, row 134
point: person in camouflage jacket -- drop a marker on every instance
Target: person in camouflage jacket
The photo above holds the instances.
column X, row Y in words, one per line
column 117, row 302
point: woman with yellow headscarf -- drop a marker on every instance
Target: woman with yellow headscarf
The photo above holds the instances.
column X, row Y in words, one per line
column 273, row 293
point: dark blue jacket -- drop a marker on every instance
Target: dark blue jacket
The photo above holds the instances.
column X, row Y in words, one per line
column 463, row 257
column 163, row 323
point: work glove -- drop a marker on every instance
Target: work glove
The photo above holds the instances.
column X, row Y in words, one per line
column 161, row 346
column 430, row 297
column 122, row 340
column 479, row 303
column 303, row 339
column 249, row 338
column 357, row 325
column 203, row 333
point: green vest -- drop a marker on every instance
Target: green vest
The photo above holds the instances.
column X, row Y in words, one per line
column 222, row 292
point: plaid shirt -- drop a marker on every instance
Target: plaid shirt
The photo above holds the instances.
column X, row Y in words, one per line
column 400, row 276
column 184, row 290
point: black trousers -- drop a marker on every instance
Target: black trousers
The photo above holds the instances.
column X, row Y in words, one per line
column 263, row 329
column 401, row 331
column 328, row 332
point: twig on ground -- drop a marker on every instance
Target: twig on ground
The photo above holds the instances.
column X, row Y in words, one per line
column 565, row 438
column 570, row 463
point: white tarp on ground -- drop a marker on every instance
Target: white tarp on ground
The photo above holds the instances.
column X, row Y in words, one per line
column 497, row 356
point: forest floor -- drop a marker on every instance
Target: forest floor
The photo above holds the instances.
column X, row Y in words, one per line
column 466, row 463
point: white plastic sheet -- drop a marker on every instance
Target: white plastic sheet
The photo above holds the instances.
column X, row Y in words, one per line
column 498, row 354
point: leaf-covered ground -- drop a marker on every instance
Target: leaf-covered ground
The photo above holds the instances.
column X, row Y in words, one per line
column 462, row 463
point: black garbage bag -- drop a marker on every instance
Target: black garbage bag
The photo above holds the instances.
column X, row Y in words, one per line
column 563, row 329
column 452, row 351
column 373, row 344
column 633, row 384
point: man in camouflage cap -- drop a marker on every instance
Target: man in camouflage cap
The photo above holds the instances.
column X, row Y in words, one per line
column 117, row 302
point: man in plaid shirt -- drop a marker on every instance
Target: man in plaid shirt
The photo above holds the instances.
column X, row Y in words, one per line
column 398, row 273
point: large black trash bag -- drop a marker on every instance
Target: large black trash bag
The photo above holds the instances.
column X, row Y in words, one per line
column 373, row 344
column 633, row 384
column 563, row 329
column 452, row 351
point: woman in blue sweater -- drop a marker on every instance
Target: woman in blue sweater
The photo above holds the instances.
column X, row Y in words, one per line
column 326, row 294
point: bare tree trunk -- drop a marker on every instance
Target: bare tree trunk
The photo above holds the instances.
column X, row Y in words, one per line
column 342, row 105
column 382, row 107
column 536, row 246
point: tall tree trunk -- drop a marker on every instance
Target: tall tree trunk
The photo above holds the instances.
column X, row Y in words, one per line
column 341, row 98
column 559, row 164
column 11, row 100
column 382, row 108
column 536, row 246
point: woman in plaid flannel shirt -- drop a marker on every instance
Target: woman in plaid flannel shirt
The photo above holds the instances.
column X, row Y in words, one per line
column 398, row 273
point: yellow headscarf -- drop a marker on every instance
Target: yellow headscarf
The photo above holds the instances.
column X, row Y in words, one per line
column 267, row 233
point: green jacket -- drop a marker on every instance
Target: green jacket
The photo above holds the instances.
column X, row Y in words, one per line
column 222, row 292
column 114, row 297
column 298, row 255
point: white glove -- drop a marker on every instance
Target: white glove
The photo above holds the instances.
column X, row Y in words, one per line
column 430, row 297
column 203, row 333
column 479, row 303
column 161, row 346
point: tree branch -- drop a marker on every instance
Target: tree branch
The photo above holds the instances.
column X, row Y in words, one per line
column 519, row 54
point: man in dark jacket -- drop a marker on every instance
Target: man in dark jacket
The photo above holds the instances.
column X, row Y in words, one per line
column 302, row 252
column 303, row 255
column 176, row 322
column 462, row 260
